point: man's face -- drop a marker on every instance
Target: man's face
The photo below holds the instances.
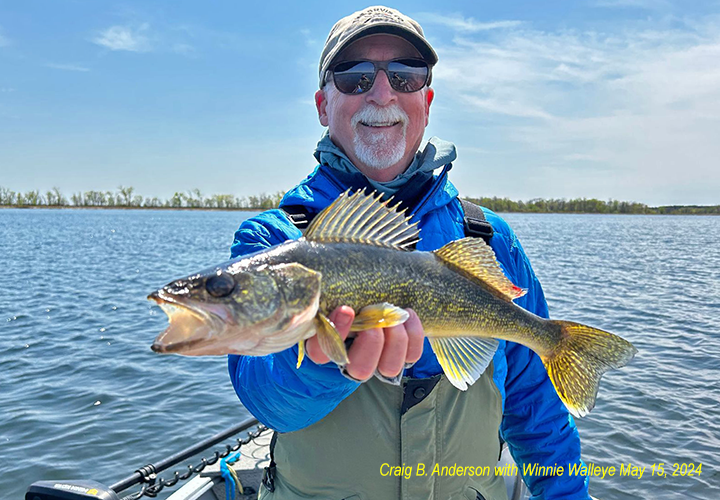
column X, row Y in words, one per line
column 379, row 130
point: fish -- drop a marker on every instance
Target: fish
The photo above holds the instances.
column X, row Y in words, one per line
column 359, row 252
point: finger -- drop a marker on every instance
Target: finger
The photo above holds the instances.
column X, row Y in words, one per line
column 342, row 317
column 416, row 337
column 392, row 359
column 365, row 353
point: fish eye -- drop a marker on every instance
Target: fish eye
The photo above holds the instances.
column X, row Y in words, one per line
column 220, row 284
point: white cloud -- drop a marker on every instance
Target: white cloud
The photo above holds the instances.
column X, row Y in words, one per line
column 4, row 42
column 641, row 4
column 68, row 67
column 7, row 89
column 464, row 25
column 310, row 41
column 641, row 104
column 506, row 107
column 581, row 157
column 184, row 49
column 125, row 38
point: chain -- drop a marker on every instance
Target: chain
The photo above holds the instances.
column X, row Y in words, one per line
column 153, row 485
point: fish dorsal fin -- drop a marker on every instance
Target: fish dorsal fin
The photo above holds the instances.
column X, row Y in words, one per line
column 361, row 218
column 474, row 257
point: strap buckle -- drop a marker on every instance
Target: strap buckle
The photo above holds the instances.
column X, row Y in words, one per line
column 298, row 215
column 268, row 478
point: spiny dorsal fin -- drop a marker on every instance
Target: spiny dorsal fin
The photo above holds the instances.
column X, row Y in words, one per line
column 361, row 218
column 475, row 258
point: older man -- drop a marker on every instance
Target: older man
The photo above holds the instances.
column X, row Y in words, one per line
column 352, row 435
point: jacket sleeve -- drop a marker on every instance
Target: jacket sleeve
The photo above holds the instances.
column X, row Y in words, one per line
column 270, row 387
column 536, row 425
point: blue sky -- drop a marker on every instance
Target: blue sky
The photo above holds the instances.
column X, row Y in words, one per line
column 588, row 98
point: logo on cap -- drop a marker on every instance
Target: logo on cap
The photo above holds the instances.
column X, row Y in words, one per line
column 378, row 14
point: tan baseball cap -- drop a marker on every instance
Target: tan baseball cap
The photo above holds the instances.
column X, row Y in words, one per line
column 369, row 21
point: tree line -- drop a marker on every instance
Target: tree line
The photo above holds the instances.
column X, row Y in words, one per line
column 127, row 197
column 590, row 206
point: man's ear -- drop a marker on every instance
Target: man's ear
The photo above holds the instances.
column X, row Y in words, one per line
column 429, row 96
column 321, row 105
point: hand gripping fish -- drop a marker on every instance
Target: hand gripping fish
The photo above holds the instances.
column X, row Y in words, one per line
column 355, row 253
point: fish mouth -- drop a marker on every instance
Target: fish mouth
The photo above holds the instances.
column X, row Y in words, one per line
column 191, row 324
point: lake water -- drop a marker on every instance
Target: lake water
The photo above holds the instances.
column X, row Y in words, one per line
column 82, row 395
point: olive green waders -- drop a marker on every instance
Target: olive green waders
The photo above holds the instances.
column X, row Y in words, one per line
column 371, row 445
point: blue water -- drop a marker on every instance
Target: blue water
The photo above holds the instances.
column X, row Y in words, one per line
column 82, row 395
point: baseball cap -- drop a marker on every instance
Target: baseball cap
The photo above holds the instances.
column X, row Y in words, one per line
column 370, row 21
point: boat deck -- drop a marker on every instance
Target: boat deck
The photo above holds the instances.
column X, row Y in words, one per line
column 255, row 456
column 209, row 484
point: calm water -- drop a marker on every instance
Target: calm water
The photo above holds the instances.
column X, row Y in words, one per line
column 82, row 395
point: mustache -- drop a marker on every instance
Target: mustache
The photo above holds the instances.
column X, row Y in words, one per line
column 371, row 115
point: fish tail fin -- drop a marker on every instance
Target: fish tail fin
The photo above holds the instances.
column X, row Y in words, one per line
column 576, row 365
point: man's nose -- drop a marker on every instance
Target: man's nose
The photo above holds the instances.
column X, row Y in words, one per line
column 381, row 93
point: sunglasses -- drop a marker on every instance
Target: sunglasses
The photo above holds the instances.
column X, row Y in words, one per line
column 404, row 75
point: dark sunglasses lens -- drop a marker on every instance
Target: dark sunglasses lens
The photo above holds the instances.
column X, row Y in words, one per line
column 354, row 77
column 408, row 75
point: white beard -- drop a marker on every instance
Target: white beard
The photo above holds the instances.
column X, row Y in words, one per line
column 380, row 150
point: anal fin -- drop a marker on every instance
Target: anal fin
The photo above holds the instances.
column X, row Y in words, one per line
column 330, row 342
column 463, row 359
column 382, row 315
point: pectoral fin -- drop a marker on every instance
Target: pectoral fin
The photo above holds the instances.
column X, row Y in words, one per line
column 463, row 359
column 379, row 316
column 330, row 342
column 301, row 353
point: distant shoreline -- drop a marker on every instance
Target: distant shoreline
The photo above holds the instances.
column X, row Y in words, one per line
column 126, row 198
column 73, row 207
column 245, row 209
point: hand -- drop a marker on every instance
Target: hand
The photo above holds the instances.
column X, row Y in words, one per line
column 384, row 349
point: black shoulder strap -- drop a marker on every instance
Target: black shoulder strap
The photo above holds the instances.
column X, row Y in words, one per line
column 475, row 223
column 268, row 478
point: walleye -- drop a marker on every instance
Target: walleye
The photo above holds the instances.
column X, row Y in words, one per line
column 355, row 253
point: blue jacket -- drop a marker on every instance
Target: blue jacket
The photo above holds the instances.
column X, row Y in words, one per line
column 536, row 425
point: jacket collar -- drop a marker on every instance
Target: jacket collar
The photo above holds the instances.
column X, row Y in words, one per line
column 324, row 185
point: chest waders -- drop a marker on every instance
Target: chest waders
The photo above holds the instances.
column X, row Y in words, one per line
column 422, row 440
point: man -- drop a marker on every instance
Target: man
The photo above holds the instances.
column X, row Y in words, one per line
column 352, row 435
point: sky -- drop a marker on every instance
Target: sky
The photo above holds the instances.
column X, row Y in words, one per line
column 608, row 99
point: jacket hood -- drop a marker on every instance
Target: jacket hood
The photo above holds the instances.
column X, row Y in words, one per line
column 432, row 154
